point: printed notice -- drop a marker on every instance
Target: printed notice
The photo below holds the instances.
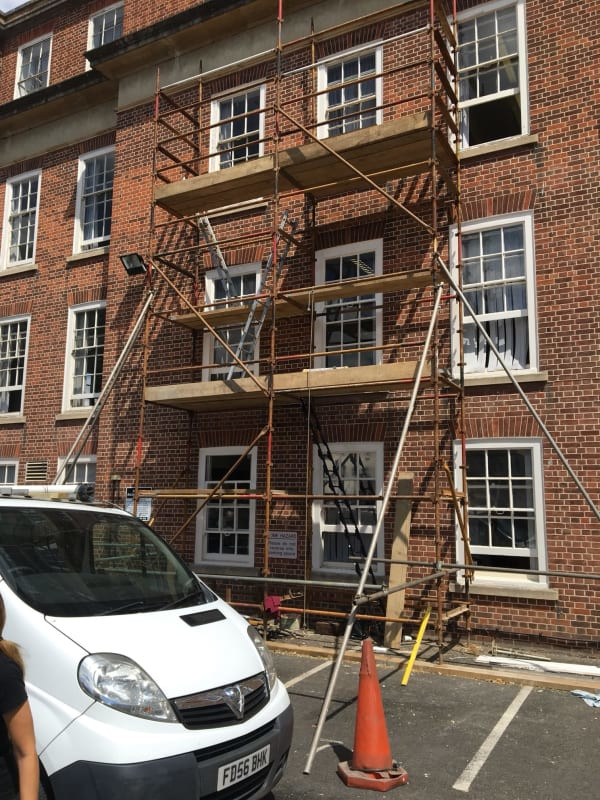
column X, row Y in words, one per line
column 144, row 504
column 283, row 544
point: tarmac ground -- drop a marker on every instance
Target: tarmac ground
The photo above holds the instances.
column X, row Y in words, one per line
column 459, row 730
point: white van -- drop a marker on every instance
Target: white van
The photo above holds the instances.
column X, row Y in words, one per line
column 144, row 685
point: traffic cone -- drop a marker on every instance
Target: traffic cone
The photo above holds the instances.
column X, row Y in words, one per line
column 372, row 766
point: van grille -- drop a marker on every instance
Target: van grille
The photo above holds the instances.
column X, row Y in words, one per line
column 226, row 705
column 218, row 750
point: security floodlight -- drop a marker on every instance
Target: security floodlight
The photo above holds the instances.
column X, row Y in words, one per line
column 134, row 264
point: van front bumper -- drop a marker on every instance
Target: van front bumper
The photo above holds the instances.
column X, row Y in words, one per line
column 189, row 776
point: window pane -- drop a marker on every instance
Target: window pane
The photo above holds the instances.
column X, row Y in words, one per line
column 498, row 462
column 350, row 105
column 489, row 64
column 495, row 285
column 507, row 519
column 87, row 356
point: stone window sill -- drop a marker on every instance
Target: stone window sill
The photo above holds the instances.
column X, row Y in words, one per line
column 519, row 591
column 75, row 413
column 486, row 379
column 500, row 144
column 17, row 270
column 87, row 254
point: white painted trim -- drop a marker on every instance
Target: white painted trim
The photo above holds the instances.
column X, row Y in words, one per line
column 68, row 372
column 200, row 554
column 82, row 459
column 208, row 340
column 507, row 580
column 16, row 416
column 78, row 240
column 337, row 567
column 480, row 10
column 500, row 221
column 322, row 105
column 321, row 256
column 5, row 265
column 24, row 46
column 91, row 19
column 214, row 159
column 10, row 462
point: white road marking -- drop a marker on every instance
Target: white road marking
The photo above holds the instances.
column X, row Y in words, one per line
column 470, row 772
column 307, row 674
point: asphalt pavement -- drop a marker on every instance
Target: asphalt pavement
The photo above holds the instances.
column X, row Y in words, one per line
column 456, row 737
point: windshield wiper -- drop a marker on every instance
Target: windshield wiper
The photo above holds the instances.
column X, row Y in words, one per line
column 183, row 600
column 122, row 609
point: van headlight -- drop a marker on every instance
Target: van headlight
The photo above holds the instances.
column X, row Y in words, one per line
column 120, row 683
column 265, row 655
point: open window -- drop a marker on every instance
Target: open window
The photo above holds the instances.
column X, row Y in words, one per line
column 492, row 65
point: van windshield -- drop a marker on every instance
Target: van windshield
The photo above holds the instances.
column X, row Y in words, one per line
column 85, row 562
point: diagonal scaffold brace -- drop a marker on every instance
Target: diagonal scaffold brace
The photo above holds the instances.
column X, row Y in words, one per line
column 377, row 533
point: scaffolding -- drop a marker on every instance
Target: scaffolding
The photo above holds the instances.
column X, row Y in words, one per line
column 403, row 149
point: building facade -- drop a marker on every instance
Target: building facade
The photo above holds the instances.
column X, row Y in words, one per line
column 366, row 229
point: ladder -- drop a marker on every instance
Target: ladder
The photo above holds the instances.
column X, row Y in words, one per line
column 336, row 485
column 86, row 430
column 216, row 256
column 265, row 302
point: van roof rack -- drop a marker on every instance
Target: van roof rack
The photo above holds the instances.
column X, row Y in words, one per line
column 83, row 492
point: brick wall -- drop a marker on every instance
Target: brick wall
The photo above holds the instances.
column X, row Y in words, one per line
column 555, row 177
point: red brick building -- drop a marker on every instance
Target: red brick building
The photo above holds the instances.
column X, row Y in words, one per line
column 303, row 191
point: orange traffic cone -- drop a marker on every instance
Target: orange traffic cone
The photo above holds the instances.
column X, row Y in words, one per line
column 372, row 766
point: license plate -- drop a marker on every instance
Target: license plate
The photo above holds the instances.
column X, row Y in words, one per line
column 236, row 771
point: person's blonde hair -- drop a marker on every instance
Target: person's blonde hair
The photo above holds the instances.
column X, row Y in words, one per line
column 10, row 649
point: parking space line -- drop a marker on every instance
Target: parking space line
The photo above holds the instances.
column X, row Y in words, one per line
column 304, row 675
column 470, row 772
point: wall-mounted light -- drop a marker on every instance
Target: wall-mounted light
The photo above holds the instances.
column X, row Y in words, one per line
column 134, row 264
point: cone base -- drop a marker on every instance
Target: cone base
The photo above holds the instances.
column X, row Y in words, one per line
column 379, row 780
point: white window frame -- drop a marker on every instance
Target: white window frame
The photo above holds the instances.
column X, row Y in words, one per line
column 215, row 158
column 320, row 331
column 523, row 88
column 68, row 395
column 5, row 262
column 208, row 344
column 83, row 462
column 98, row 15
column 18, row 78
column 201, row 553
column 318, row 526
column 322, row 86
column 9, row 463
column 524, row 218
column 81, row 244
column 481, row 579
column 24, row 356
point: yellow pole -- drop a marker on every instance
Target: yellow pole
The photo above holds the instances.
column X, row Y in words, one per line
column 413, row 655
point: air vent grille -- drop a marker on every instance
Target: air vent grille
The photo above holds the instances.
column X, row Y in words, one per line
column 36, row 471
